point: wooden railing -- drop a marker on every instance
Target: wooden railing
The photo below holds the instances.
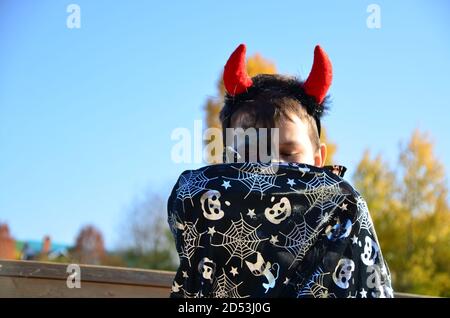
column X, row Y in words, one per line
column 43, row 279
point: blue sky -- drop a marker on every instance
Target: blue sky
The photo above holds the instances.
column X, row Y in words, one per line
column 86, row 114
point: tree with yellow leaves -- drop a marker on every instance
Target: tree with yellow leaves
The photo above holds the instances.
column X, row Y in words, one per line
column 411, row 215
column 331, row 147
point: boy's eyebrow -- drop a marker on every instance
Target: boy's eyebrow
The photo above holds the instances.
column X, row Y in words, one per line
column 292, row 143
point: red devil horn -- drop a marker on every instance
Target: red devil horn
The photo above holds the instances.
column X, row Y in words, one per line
column 235, row 75
column 319, row 80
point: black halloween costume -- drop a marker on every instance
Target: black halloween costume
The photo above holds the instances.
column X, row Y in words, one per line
column 274, row 230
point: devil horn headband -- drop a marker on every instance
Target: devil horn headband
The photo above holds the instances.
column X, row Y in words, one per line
column 235, row 77
column 237, row 81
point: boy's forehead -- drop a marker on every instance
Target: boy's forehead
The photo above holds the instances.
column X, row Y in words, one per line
column 247, row 120
column 292, row 129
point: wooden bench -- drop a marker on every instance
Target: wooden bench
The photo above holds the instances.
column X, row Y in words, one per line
column 43, row 279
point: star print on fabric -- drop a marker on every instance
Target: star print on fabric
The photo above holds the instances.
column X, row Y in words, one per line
column 363, row 293
column 211, row 230
column 286, row 281
column 291, row 182
column 274, row 239
column 344, row 206
column 354, row 239
column 176, row 287
column 185, row 274
column 251, row 213
column 226, row 184
column 234, row 271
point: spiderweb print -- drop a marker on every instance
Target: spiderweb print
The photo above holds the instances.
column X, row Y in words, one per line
column 191, row 240
column 225, row 288
column 192, row 183
column 257, row 177
column 364, row 219
column 322, row 192
column 240, row 240
column 315, row 286
column 174, row 222
column 299, row 240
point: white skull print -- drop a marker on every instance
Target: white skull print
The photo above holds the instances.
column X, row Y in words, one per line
column 343, row 273
column 279, row 211
column 370, row 252
column 207, row 268
column 211, row 206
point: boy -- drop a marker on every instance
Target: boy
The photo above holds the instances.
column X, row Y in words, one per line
column 286, row 227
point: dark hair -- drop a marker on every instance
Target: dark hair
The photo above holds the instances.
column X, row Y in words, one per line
column 269, row 98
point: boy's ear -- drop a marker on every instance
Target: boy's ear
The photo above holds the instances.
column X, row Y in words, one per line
column 321, row 155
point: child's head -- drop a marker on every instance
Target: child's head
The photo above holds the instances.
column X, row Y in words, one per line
column 275, row 101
